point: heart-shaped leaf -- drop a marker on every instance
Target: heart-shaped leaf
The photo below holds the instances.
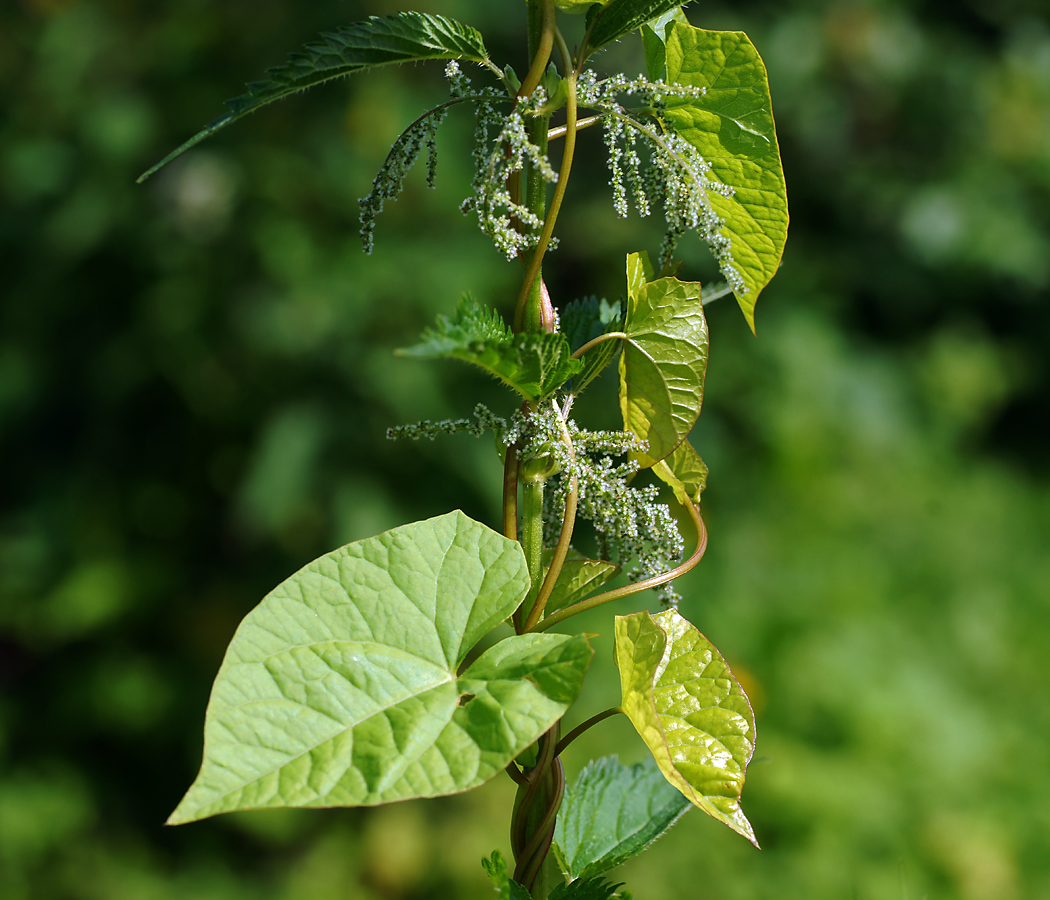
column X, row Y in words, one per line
column 611, row 813
column 685, row 472
column 732, row 127
column 341, row 687
column 664, row 359
column 689, row 709
column 654, row 42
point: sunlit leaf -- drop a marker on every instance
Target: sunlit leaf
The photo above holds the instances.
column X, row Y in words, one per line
column 621, row 17
column 732, row 127
column 579, row 577
column 689, row 709
column 685, row 472
column 341, row 687
column 664, row 359
column 654, row 42
column 611, row 813
column 534, row 365
column 404, row 37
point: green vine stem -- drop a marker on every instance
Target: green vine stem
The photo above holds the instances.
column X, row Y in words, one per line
column 583, row 726
column 627, row 590
column 590, row 345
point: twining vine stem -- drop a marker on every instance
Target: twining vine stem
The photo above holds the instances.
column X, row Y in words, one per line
column 583, row 726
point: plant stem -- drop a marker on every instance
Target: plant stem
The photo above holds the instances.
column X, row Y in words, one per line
column 510, row 493
column 583, row 726
column 561, row 130
column 532, row 537
column 590, row 345
column 655, row 581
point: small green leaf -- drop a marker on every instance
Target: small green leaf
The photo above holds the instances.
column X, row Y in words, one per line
column 496, row 868
column 685, row 472
column 611, row 813
column 341, row 687
column 692, row 713
column 404, row 37
column 589, row 889
column 579, row 577
column 654, row 42
column 582, row 322
column 664, row 359
column 621, row 17
column 534, row 365
column 732, row 127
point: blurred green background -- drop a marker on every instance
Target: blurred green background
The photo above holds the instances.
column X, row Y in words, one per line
column 196, row 375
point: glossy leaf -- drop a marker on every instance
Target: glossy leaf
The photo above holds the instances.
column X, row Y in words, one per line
column 654, row 42
column 621, row 17
column 404, row 37
column 685, row 472
column 732, row 127
column 692, row 713
column 664, row 359
column 341, row 687
column 534, row 365
column 583, row 321
column 579, row 578
column 495, row 867
column 611, row 813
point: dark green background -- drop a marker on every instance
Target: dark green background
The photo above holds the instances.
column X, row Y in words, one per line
column 196, row 374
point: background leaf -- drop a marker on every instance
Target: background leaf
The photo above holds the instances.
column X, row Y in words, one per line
column 732, row 127
column 404, row 37
column 612, row 812
column 664, row 359
column 583, row 321
column 681, row 697
column 495, row 867
column 621, row 17
column 340, row 688
column 534, row 365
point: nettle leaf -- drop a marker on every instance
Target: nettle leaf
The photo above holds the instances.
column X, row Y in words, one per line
column 611, row 813
column 685, row 472
column 692, row 713
column 590, row 889
column 584, row 320
column 578, row 578
column 495, row 867
column 341, row 687
column 654, row 42
column 664, row 359
column 534, row 365
column 404, row 37
column 732, row 126
column 621, row 17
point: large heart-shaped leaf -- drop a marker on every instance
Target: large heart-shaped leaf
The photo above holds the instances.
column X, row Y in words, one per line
column 611, row 813
column 404, row 37
column 664, row 359
column 689, row 709
column 732, row 127
column 341, row 687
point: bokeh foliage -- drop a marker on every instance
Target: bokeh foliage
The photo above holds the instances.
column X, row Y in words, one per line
column 195, row 378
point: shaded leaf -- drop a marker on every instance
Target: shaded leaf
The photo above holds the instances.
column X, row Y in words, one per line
column 732, row 126
column 404, row 37
column 341, row 687
column 664, row 359
column 654, row 42
column 495, row 867
column 590, row 889
column 611, row 813
column 534, row 365
column 583, row 321
column 691, row 712
column 621, row 17
column 685, row 472
column 578, row 578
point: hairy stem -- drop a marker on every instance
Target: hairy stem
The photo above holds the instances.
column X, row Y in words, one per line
column 510, row 493
column 532, row 538
column 655, row 581
column 590, row 345
column 583, row 726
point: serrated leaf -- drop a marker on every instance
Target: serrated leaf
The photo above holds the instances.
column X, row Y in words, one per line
column 621, row 17
column 664, row 359
column 691, row 712
column 685, row 472
column 589, row 889
column 583, row 321
column 341, row 687
column 732, row 126
column 495, row 867
column 404, row 37
column 654, row 42
column 611, row 813
column 534, row 365
column 578, row 578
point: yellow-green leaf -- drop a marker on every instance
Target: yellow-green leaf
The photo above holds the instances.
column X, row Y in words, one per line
column 685, row 472
column 691, row 712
